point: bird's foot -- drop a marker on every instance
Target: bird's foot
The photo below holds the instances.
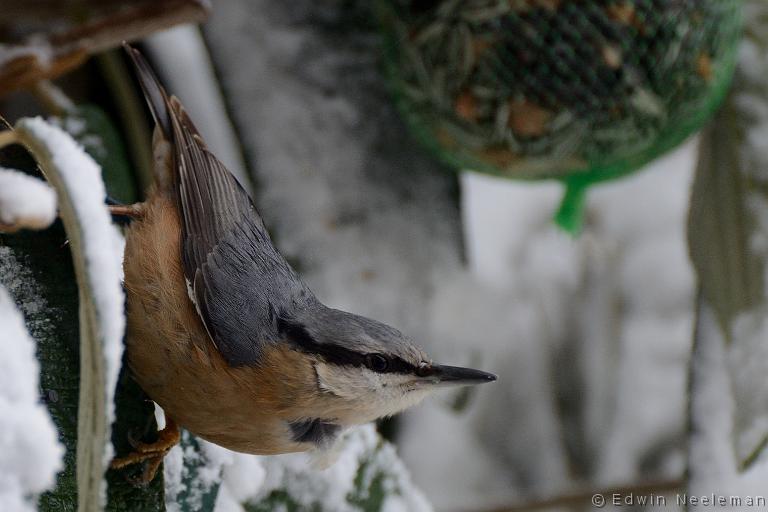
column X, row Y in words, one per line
column 149, row 454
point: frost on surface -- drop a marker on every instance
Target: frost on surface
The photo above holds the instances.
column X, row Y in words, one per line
column 368, row 476
column 25, row 202
column 30, row 453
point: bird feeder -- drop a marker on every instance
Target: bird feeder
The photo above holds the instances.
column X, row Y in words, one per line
column 581, row 91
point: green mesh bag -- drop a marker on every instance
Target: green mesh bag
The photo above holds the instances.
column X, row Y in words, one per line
column 578, row 90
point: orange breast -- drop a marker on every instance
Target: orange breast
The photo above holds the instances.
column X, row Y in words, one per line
column 176, row 363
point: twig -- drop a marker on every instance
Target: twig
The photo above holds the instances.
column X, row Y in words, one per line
column 588, row 497
column 24, row 65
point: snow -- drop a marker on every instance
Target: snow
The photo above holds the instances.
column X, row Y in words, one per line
column 97, row 254
column 20, row 283
column 102, row 244
column 747, row 358
column 191, row 474
column 30, row 453
column 489, row 203
column 747, row 354
column 173, row 472
column 602, row 321
column 712, row 463
column 25, row 202
column 76, row 126
column 643, row 218
column 216, row 458
column 244, row 477
column 251, row 478
column 248, row 478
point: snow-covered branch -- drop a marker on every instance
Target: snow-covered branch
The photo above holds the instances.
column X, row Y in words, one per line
column 97, row 255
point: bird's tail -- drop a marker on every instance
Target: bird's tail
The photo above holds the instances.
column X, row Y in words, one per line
column 154, row 93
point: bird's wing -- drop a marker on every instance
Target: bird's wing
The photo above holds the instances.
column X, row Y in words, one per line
column 235, row 276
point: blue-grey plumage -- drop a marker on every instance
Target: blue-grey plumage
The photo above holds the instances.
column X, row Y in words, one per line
column 224, row 334
column 237, row 277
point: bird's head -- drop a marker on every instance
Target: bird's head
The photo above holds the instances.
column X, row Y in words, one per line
column 367, row 369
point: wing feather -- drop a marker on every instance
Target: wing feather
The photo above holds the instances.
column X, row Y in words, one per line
column 236, row 276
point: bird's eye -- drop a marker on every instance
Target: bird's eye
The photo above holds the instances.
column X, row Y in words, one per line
column 376, row 362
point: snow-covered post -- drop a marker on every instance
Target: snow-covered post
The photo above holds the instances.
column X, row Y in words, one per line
column 96, row 250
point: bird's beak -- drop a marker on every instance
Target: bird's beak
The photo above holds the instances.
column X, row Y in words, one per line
column 441, row 375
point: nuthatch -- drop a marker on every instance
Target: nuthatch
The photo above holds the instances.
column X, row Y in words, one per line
column 222, row 332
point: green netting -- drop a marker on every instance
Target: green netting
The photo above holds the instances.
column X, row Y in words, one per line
column 579, row 90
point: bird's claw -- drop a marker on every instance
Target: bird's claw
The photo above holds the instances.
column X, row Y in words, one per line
column 148, row 472
column 149, row 454
column 132, row 440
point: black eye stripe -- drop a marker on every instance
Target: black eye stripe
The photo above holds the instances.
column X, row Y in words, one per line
column 302, row 340
column 377, row 362
column 397, row 365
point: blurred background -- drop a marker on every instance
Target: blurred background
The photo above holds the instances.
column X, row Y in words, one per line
column 398, row 151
